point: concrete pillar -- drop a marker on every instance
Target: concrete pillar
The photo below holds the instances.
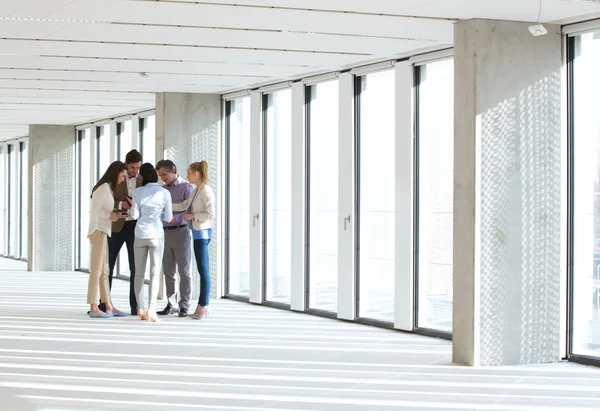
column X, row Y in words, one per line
column 508, row 183
column 51, row 198
column 188, row 129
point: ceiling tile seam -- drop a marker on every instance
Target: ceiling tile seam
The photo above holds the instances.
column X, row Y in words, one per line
column 76, row 89
column 344, row 12
column 128, row 72
column 282, row 31
column 153, row 83
column 19, row 103
column 343, row 53
column 174, row 61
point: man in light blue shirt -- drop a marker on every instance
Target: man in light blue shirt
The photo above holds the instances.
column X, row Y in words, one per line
column 151, row 206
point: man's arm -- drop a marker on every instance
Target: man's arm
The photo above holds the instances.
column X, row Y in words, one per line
column 186, row 196
column 119, row 197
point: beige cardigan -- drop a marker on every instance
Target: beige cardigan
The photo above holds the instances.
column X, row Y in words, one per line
column 203, row 206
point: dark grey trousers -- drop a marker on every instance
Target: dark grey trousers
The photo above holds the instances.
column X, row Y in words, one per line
column 178, row 257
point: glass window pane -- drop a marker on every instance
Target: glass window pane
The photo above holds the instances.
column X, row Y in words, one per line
column 586, row 196
column 436, row 188
column 24, row 187
column 3, row 202
column 102, row 149
column 84, row 169
column 148, row 139
column 377, row 196
column 278, row 168
column 13, row 204
column 124, row 142
column 323, row 196
column 239, row 197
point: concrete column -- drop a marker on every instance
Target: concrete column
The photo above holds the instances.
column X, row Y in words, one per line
column 188, row 129
column 51, row 198
column 507, row 194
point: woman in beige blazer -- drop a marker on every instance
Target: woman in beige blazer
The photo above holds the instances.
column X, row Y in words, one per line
column 200, row 210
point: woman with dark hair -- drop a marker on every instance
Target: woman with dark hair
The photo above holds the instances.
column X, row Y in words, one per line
column 200, row 211
column 151, row 206
column 101, row 218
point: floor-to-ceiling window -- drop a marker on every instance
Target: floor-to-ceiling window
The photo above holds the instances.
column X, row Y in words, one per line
column 3, row 202
column 102, row 149
column 84, row 190
column 14, row 181
column 435, row 159
column 584, row 58
column 376, row 195
column 238, row 196
column 277, row 112
column 322, row 142
column 24, row 197
column 147, row 139
column 124, row 139
column 13, row 204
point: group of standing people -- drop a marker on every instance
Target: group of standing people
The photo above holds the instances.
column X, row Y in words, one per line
column 159, row 223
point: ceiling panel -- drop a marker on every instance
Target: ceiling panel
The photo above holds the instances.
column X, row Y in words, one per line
column 71, row 61
column 125, row 78
column 149, row 66
column 213, row 38
column 38, row 8
column 8, row 131
column 83, row 49
column 346, row 5
column 7, row 7
column 518, row 10
column 211, row 15
column 29, row 29
column 99, row 86
column 5, row 107
column 82, row 102
column 226, row 38
column 60, row 94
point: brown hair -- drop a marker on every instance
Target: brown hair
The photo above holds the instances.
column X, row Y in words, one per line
column 202, row 168
column 132, row 157
column 111, row 175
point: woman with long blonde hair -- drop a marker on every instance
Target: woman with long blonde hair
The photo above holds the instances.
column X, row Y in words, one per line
column 200, row 210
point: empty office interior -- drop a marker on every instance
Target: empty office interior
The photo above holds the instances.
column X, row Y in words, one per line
column 406, row 191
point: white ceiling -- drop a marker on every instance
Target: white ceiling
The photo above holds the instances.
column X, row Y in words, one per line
column 73, row 61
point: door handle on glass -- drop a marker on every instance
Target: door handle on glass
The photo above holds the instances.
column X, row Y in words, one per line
column 254, row 218
column 346, row 221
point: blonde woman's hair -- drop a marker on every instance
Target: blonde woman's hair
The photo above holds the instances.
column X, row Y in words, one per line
column 202, row 168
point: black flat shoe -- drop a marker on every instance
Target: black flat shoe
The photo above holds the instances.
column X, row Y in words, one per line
column 165, row 311
column 183, row 312
column 169, row 309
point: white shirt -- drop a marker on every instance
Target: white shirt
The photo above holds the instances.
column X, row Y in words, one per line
column 151, row 206
column 131, row 186
column 102, row 205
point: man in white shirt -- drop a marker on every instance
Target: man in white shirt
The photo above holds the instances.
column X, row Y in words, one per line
column 123, row 230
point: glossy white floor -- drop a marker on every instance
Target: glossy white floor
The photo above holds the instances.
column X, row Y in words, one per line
column 53, row 357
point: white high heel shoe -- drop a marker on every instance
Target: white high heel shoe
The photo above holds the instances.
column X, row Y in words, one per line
column 200, row 316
